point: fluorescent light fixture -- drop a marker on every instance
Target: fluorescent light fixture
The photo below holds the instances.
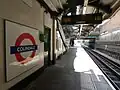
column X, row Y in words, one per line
column 81, row 28
column 69, row 14
column 78, row 10
column 75, row 27
column 84, row 10
column 85, row 2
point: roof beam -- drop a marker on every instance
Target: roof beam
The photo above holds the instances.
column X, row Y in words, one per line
column 105, row 8
column 48, row 9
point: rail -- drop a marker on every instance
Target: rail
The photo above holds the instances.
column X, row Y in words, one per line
column 108, row 67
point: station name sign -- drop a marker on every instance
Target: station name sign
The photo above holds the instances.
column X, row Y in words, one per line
column 19, row 49
column 82, row 19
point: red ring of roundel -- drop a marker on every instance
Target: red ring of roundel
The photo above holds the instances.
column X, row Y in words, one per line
column 18, row 42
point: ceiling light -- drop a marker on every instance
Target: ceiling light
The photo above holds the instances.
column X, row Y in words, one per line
column 75, row 27
column 84, row 10
column 78, row 10
column 69, row 14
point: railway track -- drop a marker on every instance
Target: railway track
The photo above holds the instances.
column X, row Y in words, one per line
column 108, row 67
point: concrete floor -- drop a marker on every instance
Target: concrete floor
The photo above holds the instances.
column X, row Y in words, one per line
column 73, row 71
column 58, row 77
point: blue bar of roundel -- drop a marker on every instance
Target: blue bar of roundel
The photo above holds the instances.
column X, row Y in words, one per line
column 13, row 49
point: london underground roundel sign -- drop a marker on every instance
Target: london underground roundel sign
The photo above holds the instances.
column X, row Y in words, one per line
column 18, row 48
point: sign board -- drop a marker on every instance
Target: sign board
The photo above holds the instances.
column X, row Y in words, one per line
column 23, row 50
column 82, row 19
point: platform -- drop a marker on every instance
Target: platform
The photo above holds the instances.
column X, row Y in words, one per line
column 73, row 71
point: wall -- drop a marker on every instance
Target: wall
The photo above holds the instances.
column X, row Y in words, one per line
column 109, row 42
column 1, row 53
column 112, row 24
column 18, row 12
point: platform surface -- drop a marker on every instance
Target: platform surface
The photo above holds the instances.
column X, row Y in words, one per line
column 73, row 71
